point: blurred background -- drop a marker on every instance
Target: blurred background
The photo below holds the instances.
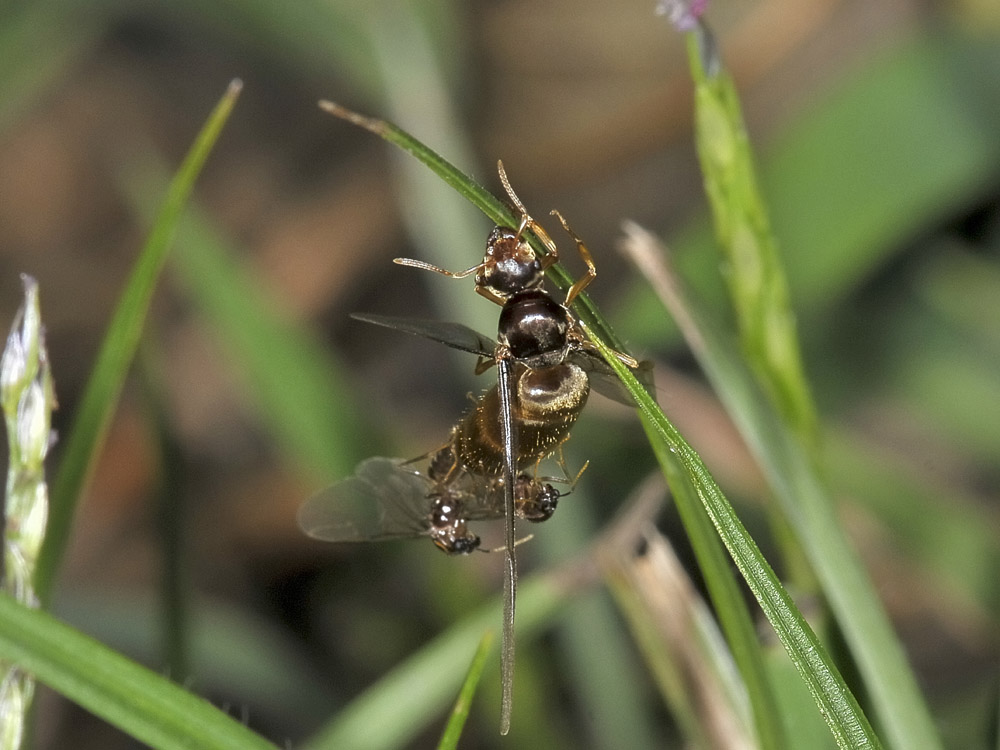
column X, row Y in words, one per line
column 876, row 126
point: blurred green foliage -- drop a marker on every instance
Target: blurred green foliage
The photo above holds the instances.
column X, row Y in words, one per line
column 883, row 198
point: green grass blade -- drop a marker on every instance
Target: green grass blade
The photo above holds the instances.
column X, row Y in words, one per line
column 755, row 275
column 300, row 390
column 734, row 617
column 476, row 194
column 736, row 620
column 149, row 707
column 838, row 706
column 87, row 433
column 460, row 711
column 391, row 712
column 809, row 508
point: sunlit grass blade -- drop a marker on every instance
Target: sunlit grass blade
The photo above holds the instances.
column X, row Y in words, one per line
column 844, row 716
column 86, row 436
column 460, row 711
column 807, row 505
column 149, row 707
column 442, row 226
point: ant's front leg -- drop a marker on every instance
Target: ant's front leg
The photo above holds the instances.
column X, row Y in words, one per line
column 583, row 282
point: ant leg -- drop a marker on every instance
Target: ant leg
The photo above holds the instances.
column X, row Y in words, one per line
column 626, row 359
column 561, row 462
column 484, row 364
column 583, row 282
column 484, row 292
column 551, row 251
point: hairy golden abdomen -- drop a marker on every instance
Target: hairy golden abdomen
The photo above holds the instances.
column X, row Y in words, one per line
column 547, row 402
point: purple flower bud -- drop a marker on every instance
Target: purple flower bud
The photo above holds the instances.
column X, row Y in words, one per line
column 683, row 14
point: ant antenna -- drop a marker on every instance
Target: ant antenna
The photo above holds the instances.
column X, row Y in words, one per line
column 525, row 217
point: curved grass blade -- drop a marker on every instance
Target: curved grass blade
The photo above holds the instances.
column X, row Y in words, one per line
column 807, row 505
column 460, row 712
column 738, row 626
column 838, row 706
column 476, row 194
column 86, row 436
column 299, row 389
column 149, row 707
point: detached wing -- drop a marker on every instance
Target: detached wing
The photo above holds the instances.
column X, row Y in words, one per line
column 383, row 500
column 455, row 335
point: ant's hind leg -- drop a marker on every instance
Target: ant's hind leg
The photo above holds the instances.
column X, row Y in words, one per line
column 561, row 463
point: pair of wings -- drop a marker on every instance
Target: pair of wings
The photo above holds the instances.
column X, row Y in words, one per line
column 457, row 336
column 387, row 498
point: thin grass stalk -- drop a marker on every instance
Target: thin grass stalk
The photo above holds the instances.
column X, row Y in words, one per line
column 90, row 424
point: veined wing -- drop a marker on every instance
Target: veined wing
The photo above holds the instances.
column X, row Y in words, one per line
column 604, row 380
column 455, row 335
column 382, row 500
column 458, row 336
column 508, row 430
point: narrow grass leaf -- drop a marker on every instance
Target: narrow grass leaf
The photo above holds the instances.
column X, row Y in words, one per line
column 480, row 197
column 86, row 436
column 730, row 606
column 808, row 507
column 460, row 711
column 138, row 701
column 391, row 712
column 838, row 706
column 299, row 389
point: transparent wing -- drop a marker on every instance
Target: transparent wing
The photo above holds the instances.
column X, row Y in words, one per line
column 508, row 430
column 603, row 378
column 455, row 335
column 383, row 500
